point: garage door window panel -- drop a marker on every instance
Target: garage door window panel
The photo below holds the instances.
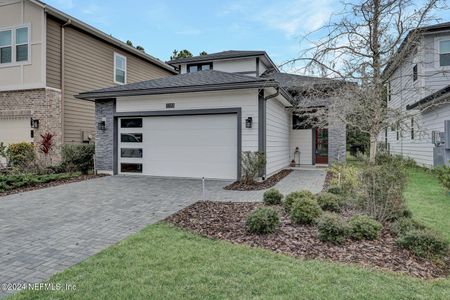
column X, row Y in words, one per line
column 131, row 123
column 131, row 138
column 130, row 168
column 131, row 152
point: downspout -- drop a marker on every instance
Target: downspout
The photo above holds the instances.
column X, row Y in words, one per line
column 62, row 75
column 264, row 129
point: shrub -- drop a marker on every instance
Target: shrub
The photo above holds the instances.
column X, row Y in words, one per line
column 364, row 228
column 384, row 158
column 10, row 182
column 305, row 211
column 382, row 187
column 403, row 225
column 329, row 201
column 78, row 158
column 252, row 164
column 289, row 199
column 423, row 242
column 21, row 155
column 332, row 228
column 262, row 221
column 345, row 177
column 335, row 189
column 272, row 197
column 443, row 174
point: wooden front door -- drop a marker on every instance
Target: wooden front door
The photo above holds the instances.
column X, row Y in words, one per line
column 321, row 146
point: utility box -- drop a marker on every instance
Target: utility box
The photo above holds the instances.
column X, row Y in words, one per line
column 441, row 150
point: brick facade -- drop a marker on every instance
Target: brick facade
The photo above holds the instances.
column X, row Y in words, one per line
column 39, row 104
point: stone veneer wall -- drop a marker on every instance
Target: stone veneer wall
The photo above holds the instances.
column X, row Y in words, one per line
column 104, row 141
column 40, row 104
column 337, row 139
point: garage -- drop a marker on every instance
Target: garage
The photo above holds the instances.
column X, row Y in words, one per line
column 15, row 130
column 191, row 146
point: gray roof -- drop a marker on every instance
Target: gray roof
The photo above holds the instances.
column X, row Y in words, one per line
column 445, row 91
column 189, row 82
column 293, row 81
column 218, row 55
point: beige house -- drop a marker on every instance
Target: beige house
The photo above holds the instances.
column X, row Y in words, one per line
column 47, row 57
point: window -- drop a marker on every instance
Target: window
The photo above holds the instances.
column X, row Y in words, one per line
column 412, row 128
column 22, row 44
column 130, row 168
column 131, row 137
column 14, row 45
column 199, row 67
column 131, row 123
column 120, row 69
column 444, row 53
column 386, row 136
column 398, row 131
column 131, row 152
column 415, row 75
column 388, row 90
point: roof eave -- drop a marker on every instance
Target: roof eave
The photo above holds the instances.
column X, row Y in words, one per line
column 188, row 89
column 438, row 96
column 88, row 28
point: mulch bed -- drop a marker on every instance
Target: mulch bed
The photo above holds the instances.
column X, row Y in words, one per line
column 49, row 184
column 226, row 221
column 268, row 183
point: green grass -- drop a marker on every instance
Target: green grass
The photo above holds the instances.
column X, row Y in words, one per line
column 167, row 263
column 428, row 200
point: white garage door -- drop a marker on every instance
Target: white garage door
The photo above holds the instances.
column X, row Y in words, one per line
column 179, row 146
column 15, row 130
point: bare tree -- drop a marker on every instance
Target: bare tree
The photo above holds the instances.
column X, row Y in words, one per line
column 362, row 45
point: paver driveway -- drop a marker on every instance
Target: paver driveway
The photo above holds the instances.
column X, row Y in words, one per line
column 45, row 231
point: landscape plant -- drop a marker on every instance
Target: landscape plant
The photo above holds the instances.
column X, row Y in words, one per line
column 21, row 155
column 305, row 211
column 272, row 197
column 364, row 228
column 78, row 158
column 424, row 242
column 291, row 197
column 333, row 228
column 262, row 221
column 329, row 201
column 252, row 164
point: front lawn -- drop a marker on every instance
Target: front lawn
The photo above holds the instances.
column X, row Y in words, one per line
column 168, row 263
column 428, row 200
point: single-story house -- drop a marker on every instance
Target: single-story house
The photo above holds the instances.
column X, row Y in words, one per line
column 197, row 124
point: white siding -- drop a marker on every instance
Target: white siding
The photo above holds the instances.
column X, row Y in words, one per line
column 246, row 99
column 404, row 92
column 277, row 136
column 302, row 138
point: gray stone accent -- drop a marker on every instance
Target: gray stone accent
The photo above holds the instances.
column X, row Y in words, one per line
column 104, row 141
column 337, row 139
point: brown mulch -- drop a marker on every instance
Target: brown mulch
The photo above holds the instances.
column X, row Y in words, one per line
column 226, row 221
column 268, row 183
column 50, row 184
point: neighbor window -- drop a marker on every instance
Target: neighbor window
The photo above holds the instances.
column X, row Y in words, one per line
column 412, row 128
column 415, row 74
column 444, row 53
column 131, row 123
column 199, row 67
column 388, row 90
column 14, row 45
column 120, row 69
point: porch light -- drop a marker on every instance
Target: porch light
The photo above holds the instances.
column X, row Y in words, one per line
column 248, row 122
column 34, row 123
column 102, row 125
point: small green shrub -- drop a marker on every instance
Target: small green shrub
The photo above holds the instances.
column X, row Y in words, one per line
column 335, row 189
column 423, row 242
column 333, row 228
column 329, row 201
column 305, row 211
column 15, row 181
column 21, row 155
column 364, row 228
column 78, row 158
column 345, row 176
column 289, row 199
column 263, row 221
column 443, row 174
column 252, row 164
column 403, row 225
column 272, row 197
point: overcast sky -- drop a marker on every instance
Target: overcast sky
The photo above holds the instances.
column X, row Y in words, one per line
column 162, row 26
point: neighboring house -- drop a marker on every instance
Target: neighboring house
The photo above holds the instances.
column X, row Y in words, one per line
column 420, row 87
column 197, row 124
column 47, row 57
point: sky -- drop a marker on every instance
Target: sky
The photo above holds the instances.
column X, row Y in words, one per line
column 212, row 26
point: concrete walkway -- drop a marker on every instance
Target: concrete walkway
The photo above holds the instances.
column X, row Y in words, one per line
column 45, row 231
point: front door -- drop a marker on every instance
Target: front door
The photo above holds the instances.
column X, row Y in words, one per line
column 321, row 146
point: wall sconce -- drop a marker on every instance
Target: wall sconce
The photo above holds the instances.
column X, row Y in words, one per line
column 102, row 124
column 248, row 122
column 34, row 123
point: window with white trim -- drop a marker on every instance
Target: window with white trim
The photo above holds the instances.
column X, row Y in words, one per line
column 120, row 69
column 15, row 45
column 444, row 53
